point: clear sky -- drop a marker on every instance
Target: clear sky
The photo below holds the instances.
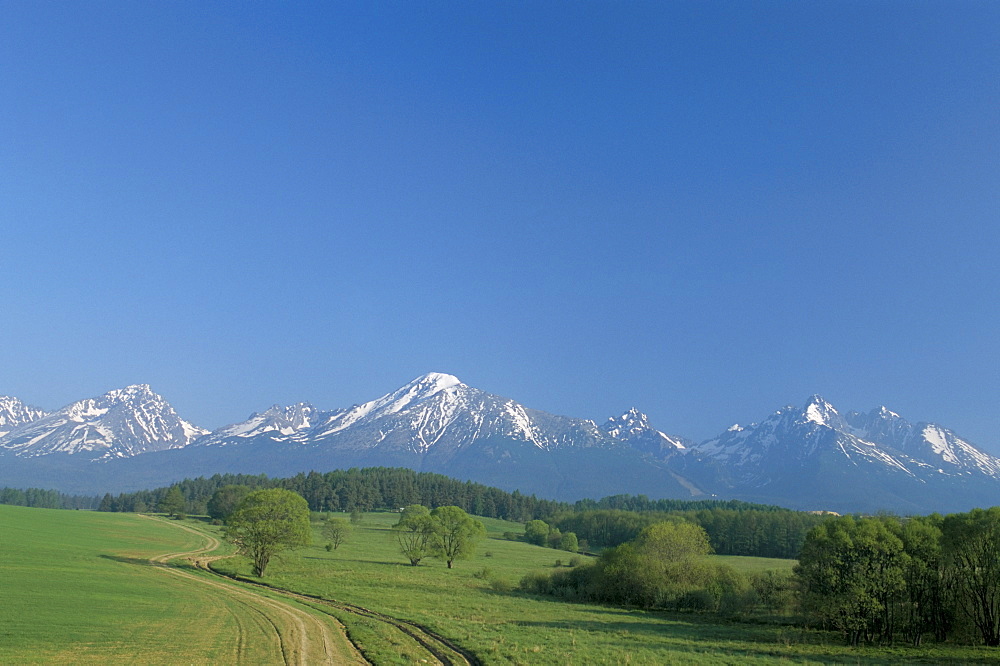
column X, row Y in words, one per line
column 706, row 210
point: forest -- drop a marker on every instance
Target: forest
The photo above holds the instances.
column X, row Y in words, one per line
column 876, row 580
column 733, row 527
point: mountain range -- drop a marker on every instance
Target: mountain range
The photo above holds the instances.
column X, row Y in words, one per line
column 811, row 457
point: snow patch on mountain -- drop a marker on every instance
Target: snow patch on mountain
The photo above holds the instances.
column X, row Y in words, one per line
column 14, row 413
column 120, row 424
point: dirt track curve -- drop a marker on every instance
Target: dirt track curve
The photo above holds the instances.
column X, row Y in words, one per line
column 306, row 638
column 298, row 637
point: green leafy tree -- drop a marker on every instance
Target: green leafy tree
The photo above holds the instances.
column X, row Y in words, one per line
column 971, row 544
column 569, row 542
column 415, row 533
column 225, row 500
column 357, row 516
column 663, row 566
column 929, row 604
column 455, row 533
column 267, row 522
column 336, row 531
column 536, row 532
column 173, row 503
column 851, row 573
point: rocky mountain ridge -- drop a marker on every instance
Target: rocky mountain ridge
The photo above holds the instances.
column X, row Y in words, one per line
column 809, row 457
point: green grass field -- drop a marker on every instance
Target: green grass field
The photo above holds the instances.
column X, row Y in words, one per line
column 510, row 628
column 756, row 564
column 77, row 587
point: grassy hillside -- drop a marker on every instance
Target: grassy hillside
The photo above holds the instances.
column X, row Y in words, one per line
column 472, row 605
column 78, row 587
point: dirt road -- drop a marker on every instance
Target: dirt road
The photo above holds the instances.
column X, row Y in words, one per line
column 268, row 630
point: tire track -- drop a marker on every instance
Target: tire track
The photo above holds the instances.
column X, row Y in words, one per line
column 302, row 637
column 445, row 651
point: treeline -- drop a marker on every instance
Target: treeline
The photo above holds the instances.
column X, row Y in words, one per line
column 642, row 504
column 886, row 578
column 666, row 566
column 759, row 532
column 733, row 527
column 877, row 580
column 46, row 499
column 367, row 489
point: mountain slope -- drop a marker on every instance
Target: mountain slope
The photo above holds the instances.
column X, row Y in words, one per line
column 809, row 457
column 814, row 457
column 437, row 423
column 119, row 424
column 14, row 413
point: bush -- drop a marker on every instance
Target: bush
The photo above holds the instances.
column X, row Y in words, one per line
column 536, row 583
column 775, row 591
column 569, row 542
column 500, row 585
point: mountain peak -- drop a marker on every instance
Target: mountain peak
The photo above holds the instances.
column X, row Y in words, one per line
column 633, row 428
column 885, row 413
column 131, row 392
column 821, row 412
column 119, row 424
column 13, row 413
column 433, row 382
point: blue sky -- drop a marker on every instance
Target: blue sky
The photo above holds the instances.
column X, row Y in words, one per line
column 704, row 210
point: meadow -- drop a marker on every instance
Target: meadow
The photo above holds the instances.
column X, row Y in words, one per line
column 475, row 605
column 78, row 587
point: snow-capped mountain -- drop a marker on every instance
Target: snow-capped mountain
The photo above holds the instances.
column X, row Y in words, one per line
column 429, row 414
column 811, row 457
column 278, row 422
column 14, row 413
column 119, row 424
column 930, row 444
column 815, row 455
column 437, row 423
column 634, row 430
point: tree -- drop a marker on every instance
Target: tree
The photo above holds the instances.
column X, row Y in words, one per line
column 663, row 565
column 267, row 522
column 455, row 533
column 356, row 517
column 172, row 503
column 929, row 604
column 336, row 531
column 569, row 542
column 225, row 500
column 971, row 545
column 852, row 573
column 415, row 533
column 536, row 532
